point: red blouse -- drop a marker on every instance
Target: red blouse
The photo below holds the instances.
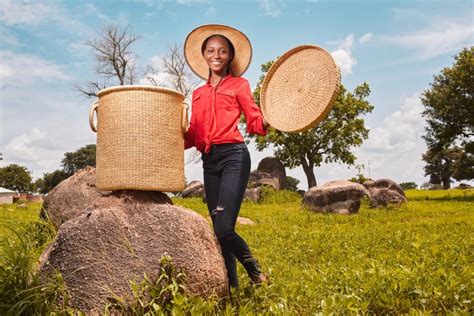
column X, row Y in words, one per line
column 216, row 113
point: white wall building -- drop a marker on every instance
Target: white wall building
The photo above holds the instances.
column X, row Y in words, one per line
column 6, row 196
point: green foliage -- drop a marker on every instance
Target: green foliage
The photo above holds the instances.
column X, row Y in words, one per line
column 165, row 295
column 21, row 243
column 449, row 103
column 449, row 113
column 408, row 185
column 81, row 158
column 269, row 195
column 50, row 180
column 16, row 178
column 415, row 259
column 291, row 184
column 330, row 141
column 360, row 178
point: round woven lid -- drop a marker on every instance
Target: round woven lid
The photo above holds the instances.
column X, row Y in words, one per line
column 300, row 88
column 195, row 59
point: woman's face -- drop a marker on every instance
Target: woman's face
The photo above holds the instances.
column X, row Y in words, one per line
column 217, row 54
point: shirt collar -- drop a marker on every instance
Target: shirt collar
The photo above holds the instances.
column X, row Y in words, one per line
column 223, row 79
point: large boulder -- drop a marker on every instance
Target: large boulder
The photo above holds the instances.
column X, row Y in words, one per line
column 383, row 192
column 78, row 194
column 194, row 189
column 340, row 196
column 99, row 252
column 259, row 178
column 275, row 168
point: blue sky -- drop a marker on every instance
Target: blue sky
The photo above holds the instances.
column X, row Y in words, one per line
column 395, row 46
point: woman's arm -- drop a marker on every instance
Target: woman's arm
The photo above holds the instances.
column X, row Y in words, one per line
column 256, row 123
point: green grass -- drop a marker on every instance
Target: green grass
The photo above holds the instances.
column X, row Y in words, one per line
column 418, row 258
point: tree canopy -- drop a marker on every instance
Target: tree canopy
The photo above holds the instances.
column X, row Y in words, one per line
column 449, row 114
column 81, row 158
column 16, row 178
column 330, row 141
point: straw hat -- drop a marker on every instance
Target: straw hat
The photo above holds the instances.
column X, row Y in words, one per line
column 300, row 88
column 195, row 59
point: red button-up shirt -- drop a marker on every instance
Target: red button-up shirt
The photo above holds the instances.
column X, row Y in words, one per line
column 216, row 113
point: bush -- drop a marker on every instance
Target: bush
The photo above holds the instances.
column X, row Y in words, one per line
column 291, row 184
column 269, row 195
column 408, row 185
column 21, row 291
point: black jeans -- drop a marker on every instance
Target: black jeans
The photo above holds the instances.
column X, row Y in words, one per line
column 226, row 172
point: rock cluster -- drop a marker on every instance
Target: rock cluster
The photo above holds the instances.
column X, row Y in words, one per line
column 107, row 239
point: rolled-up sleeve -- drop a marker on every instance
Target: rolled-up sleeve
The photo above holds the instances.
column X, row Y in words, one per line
column 252, row 111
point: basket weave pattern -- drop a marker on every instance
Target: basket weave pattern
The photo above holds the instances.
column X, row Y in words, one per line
column 300, row 89
column 139, row 139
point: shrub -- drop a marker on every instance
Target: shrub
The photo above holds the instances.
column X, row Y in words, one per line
column 408, row 185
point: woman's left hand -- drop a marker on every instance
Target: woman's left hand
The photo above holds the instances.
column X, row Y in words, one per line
column 265, row 123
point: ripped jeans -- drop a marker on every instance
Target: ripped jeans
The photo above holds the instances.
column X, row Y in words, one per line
column 226, row 172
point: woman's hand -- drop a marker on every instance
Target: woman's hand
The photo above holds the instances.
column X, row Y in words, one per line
column 265, row 123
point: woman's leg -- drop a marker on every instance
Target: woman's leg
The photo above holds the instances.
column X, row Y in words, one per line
column 212, row 183
column 235, row 173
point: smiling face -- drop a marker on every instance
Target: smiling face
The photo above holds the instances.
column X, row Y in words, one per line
column 217, row 54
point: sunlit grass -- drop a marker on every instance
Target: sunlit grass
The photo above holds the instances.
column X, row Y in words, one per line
column 414, row 258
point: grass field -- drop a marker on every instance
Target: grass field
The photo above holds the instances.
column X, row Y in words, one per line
column 418, row 258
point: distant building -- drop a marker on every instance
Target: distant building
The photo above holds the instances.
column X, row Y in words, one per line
column 6, row 196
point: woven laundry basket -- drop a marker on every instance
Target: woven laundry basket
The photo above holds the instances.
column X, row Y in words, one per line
column 140, row 140
column 300, row 89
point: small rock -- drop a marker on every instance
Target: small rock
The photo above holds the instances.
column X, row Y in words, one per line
column 253, row 194
column 245, row 221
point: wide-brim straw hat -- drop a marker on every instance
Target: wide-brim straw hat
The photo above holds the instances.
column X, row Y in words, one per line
column 300, row 88
column 195, row 59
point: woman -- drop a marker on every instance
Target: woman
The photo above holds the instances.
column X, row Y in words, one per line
column 220, row 54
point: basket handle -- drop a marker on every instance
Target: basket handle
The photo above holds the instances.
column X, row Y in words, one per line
column 93, row 109
column 184, row 122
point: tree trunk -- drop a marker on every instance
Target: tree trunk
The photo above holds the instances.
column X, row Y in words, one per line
column 446, row 183
column 309, row 172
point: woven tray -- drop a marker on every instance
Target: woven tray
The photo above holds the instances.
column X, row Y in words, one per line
column 300, row 89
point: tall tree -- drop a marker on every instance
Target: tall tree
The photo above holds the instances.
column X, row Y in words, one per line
column 449, row 113
column 81, row 158
column 115, row 63
column 330, row 141
column 16, row 178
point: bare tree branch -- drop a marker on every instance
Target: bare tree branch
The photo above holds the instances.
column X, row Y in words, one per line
column 174, row 64
column 114, row 58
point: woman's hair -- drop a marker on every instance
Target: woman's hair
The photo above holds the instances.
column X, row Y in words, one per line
column 231, row 51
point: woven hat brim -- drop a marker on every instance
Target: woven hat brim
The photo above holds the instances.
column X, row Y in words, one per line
column 300, row 89
column 195, row 59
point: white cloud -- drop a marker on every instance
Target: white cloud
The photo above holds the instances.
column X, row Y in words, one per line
column 440, row 38
column 24, row 147
column 21, row 69
column 343, row 55
column 271, row 7
column 23, row 12
column 401, row 131
column 365, row 38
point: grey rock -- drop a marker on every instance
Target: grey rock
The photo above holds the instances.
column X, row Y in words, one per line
column 384, row 192
column 340, row 196
column 194, row 189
